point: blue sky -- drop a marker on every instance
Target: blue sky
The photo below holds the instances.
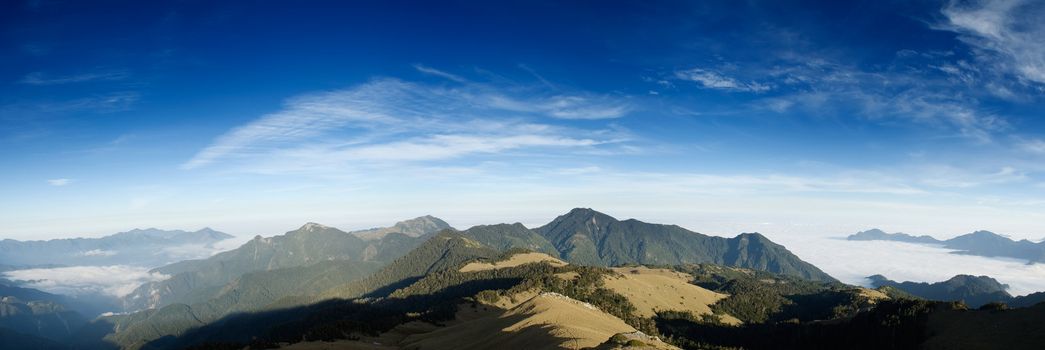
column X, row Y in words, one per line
column 783, row 117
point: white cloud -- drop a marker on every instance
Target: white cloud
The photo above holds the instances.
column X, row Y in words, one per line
column 767, row 184
column 452, row 146
column 39, row 78
column 98, row 252
column 116, row 280
column 852, row 261
column 1007, row 32
column 59, row 182
column 715, row 80
column 393, row 120
column 948, row 176
column 102, row 103
column 886, row 97
column 1036, row 146
column 439, row 73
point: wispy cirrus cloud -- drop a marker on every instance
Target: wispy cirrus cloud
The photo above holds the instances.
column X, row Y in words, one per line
column 1031, row 145
column 1005, row 33
column 101, row 103
column 42, row 79
column 711, row 79
column 392, row 120
column 59, row 182
column 814, row 85
column 435, row 72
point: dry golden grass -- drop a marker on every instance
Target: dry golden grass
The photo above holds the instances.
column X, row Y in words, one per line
column 873, row 295
column 534, row 320
column 546, row 321
column 568, row 275
column 652, row 290
column 513, row 261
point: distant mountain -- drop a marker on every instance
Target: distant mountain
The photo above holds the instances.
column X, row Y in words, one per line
column 415, row 227
column 980, row 243
column 89, row 307
column 447, row 249
column 973, row 290
column 588, row 237
column 1028, row 300
column 879, row 235
column 43, row 319
column 507, row 236
column 986, row 243
column 11, row 339
column 35, row 313
column 148, row 248
column 302, row 285
column 197, row 281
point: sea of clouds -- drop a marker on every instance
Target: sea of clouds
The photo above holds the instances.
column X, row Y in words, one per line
column 115, row 280
column 852, row 261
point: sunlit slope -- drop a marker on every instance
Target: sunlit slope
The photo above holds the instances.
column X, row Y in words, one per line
column 546, row 321
column 513, row 261
column 652, row 290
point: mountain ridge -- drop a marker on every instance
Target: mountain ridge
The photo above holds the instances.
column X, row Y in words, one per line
column 979, row 243
column 588, row 237
column 138, row 247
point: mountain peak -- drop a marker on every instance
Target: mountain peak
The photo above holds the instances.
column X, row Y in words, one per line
column 421, row 225
column 586, row 214
column 753, row 236
column 985, row 233
column 312, row 227
column 416, row 227
column 583, row 212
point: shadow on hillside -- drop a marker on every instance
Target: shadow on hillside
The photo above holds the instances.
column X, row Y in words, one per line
column 489, row 333
column 326, row 320
column 92, row 336
column 894, row 324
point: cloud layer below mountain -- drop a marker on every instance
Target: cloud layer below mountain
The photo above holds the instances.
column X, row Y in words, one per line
column 116, row 280
column 852, row 261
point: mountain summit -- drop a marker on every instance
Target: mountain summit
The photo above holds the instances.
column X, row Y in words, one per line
column 981, row 243
column 588, row 237
column 416, row 227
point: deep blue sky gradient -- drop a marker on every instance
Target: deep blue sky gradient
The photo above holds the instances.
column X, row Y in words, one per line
column 882, row 105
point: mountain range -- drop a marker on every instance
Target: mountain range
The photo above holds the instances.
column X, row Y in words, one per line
column 981, row 243
column 619, row 242
column 585, row 279
column 139, row 247
column 974, row 291
column 197, row 281
column 317, row 262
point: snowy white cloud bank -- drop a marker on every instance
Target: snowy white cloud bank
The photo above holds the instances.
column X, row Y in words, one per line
column 116, row 280
column 852, row 261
